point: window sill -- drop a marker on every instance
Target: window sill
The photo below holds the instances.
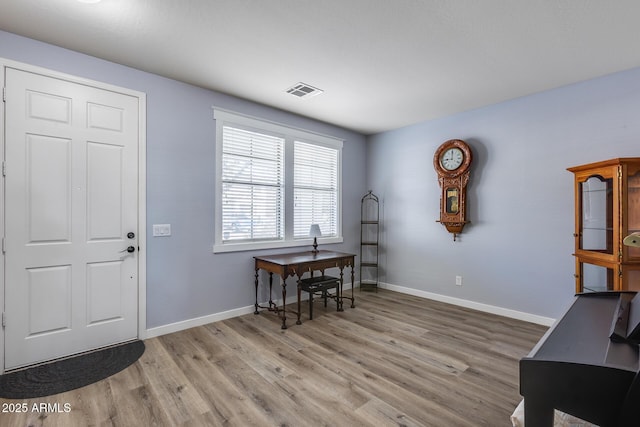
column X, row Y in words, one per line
column 253, row 246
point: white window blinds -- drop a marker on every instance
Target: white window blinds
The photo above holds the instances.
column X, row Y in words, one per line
column 272, row 183
column 315, row 189
column 252, row 186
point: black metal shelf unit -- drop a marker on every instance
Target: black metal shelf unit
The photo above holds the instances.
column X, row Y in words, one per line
column 369, row 241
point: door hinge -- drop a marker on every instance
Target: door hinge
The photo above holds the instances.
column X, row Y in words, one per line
column 4, row 320
column 4, row 94
column 3, row 248
column 4, row 169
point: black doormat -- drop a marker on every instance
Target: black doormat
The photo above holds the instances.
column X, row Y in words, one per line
column 69, row 374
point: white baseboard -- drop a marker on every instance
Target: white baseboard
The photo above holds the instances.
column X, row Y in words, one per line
column 216, row 317
column 198, row 321
column 500, row 311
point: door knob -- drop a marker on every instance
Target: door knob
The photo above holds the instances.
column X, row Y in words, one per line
column 130, row 249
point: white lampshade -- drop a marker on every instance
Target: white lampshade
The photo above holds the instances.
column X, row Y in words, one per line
column 632, row 239
column 314, row 231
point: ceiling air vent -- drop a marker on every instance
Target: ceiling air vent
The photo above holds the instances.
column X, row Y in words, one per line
column 303, row 90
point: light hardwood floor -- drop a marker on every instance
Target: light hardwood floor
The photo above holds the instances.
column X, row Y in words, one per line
column 395, row 359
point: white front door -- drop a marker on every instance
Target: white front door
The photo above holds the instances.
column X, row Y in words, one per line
column 71, row 211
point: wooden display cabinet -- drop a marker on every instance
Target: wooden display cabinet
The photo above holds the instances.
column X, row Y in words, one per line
column 607, row 208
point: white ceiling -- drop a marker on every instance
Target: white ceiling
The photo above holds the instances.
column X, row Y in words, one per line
column 382, row 64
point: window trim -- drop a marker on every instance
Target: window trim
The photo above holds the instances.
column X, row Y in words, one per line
column 290, row 134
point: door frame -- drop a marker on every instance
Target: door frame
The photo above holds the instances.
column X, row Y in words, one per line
column 142, row 185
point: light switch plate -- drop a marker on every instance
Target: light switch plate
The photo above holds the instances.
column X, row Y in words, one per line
column 161, row 230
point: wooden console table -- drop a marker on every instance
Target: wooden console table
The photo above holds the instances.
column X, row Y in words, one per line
column 296, row 264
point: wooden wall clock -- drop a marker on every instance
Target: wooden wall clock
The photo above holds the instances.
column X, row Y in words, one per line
column 452, row 162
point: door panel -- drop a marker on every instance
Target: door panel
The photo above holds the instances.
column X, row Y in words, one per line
column 105, row 117
column 47, row 106
column 104, row 191
column 71, row 197
column 103, row 305
column 48, row 188
column 49, row 299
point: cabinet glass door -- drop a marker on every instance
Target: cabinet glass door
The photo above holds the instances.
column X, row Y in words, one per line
column 596, row 278
column 596, row 228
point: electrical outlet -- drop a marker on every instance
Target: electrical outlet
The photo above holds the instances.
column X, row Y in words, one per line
column 458, row 280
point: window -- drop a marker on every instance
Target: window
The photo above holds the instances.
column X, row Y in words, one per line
column 252, row 186
column 272, row 183
column 315, row 189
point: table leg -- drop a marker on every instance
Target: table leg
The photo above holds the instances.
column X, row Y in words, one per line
column 256, row 306
column 340, row 308
column 537, row 412
column 299, row 322
column 353, row 298
column 284, row 302
column 271, row 304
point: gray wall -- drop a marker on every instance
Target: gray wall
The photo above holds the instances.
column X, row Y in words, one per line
column 516, row 253
column 185, row 279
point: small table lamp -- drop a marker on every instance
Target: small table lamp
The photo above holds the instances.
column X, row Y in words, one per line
column 314, row 231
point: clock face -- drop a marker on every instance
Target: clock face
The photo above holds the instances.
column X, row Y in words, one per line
column 452, row 158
